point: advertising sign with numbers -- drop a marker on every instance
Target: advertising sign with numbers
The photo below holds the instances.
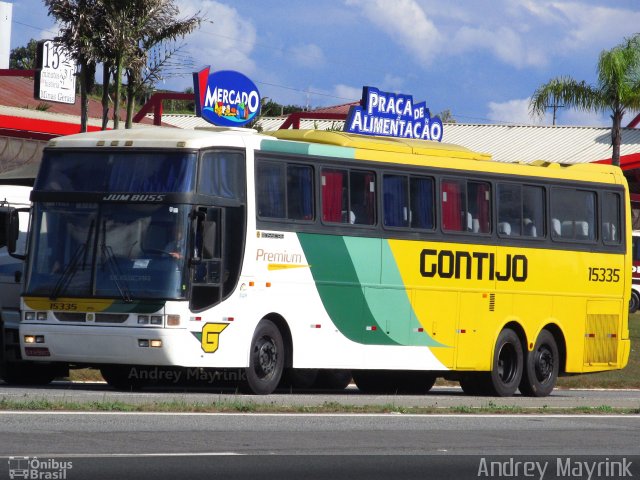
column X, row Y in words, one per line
column 56, row 74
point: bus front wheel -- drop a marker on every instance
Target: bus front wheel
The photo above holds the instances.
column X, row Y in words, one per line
column 508, row 361
column 266, row 360
column 541, row 367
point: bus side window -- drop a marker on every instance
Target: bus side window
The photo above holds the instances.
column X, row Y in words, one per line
column 334, row 201
column 422, row 205
column 300, row 192
column 575, row 211
column 270, row 186
column 362, row 198
column 611, row 217
column 395, row 196
column 453, row 204
column 479, row 198
column 533, row 211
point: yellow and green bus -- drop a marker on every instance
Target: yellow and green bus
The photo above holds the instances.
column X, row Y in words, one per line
column 313, row 257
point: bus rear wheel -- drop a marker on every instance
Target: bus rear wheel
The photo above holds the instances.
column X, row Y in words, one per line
column 393, row 381
column 541, row 367
column 634, row 303
column 266, row 360
column 475, row 383
column 508, row 362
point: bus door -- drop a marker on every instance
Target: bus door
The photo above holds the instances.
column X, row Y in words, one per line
column 207, row 260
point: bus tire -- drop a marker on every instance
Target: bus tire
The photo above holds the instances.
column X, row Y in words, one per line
column 266, row 360
column 333, row 379
column 634, row 302
column 541, row 367
column 475, row 384
column 298, row 378
column 508, row 363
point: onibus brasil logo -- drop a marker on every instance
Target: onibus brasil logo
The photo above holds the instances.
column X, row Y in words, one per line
column 38, row 469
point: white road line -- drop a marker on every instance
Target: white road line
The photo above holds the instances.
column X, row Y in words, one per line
column 342, row 415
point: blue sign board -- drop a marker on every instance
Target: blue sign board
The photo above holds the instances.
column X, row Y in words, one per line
column 225, row 98
column 392, row 115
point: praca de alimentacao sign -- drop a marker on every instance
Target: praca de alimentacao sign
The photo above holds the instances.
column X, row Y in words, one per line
column 226, row 98
column 392, row 115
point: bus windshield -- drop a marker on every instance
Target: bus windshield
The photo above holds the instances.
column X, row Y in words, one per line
column 117, row 171
column 87, row 249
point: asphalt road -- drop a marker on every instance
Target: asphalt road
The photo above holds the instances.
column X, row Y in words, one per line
column 442, row 397
column 111, row 445
column 328, row 446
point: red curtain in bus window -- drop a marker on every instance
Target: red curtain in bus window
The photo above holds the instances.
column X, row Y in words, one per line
column 451, row 206
column 482, row 197
column 331, row 196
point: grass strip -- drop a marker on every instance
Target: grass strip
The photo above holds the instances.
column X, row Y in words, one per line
column 328, row 407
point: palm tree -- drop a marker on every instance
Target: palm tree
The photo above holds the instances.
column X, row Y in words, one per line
column 133, row 28
column 617, row 90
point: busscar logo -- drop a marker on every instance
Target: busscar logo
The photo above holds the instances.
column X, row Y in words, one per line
column 34, row 468
column 132, row 197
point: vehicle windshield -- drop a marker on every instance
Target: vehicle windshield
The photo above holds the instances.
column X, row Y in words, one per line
column 116, row 171
column 109, row 250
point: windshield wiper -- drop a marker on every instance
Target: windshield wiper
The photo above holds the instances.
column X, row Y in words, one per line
column 109, row 256
column 72, row 267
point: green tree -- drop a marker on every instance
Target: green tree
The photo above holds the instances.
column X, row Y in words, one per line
column 446, row 116
column 617, row 89
column 133, row 27
column 79, row 32
column 24, row 58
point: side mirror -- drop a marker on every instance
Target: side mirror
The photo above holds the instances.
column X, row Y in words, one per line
column 12, row 229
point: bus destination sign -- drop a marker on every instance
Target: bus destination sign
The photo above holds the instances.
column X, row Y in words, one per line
column 392, row 115
column 226, row 98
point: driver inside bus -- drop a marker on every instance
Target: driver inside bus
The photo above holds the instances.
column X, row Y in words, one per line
column 175, row 247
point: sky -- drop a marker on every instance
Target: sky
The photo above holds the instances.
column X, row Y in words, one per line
column 480, row 59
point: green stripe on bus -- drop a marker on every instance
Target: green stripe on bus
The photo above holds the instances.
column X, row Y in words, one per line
column 340, row 289
column 300, row 148
column 385, row 293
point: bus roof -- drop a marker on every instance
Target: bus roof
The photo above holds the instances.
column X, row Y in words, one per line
column 155, row 137
column 431, row 153
column 333, row 144
column 386, row 144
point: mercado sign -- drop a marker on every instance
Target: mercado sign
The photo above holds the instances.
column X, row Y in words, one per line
column 225, row 98
column 392, row 115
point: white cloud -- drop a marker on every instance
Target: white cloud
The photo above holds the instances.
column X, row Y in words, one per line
column 513, row 111
column 310, row 55
column 583, row 118
column 596, row 25
column 347, row 93
column 226, row 40
column 517, row 112
column 406, row 23
column 506, row 44
column 393, row 83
